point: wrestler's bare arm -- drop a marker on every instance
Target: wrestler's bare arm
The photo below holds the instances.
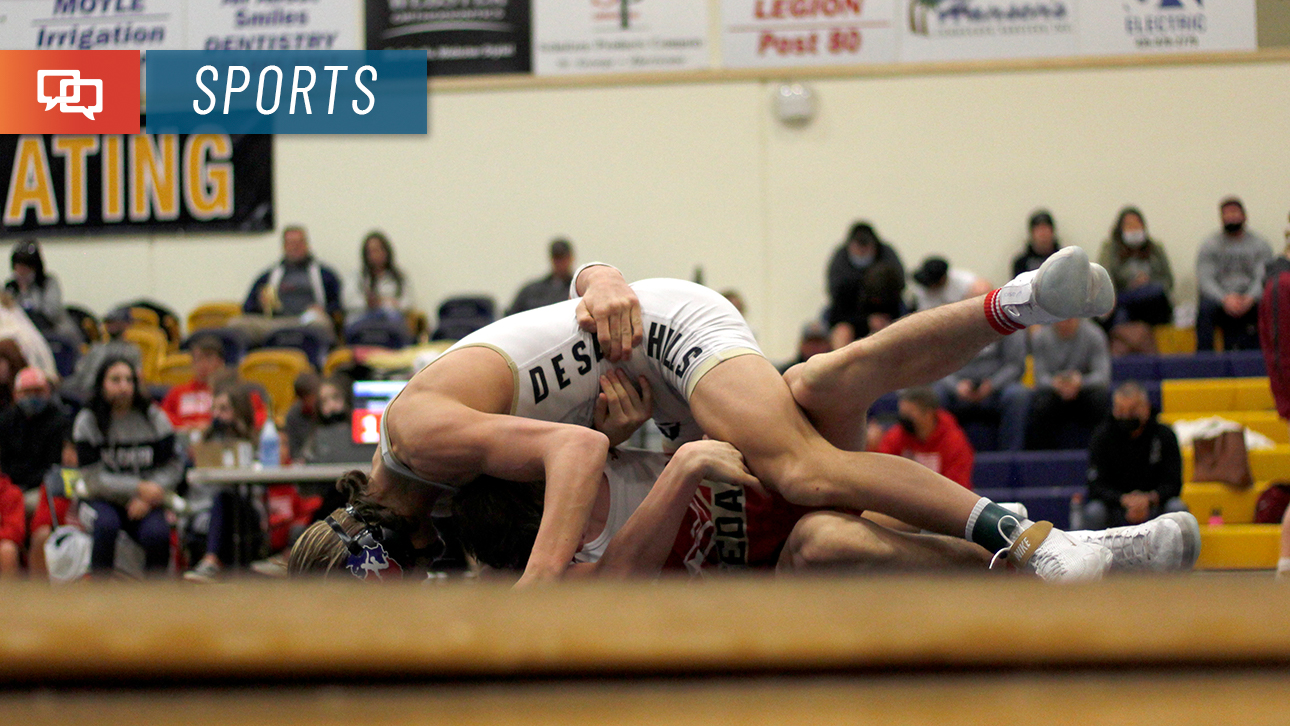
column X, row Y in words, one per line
column 641, row 547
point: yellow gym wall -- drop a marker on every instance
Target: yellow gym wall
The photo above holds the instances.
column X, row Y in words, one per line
column 660, row 178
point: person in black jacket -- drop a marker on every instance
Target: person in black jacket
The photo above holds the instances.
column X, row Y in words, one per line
column 866, row 279
column 33, row 430
column 1135, row 467
column 1040, row 244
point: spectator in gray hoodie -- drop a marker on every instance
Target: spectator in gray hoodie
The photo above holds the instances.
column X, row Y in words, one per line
column 131, row 464
column 989, row 389
column 1229, row 273
column 1072, row 383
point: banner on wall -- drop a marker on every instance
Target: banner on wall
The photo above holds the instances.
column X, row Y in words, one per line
column 91, row 25
column 619, row 36
column 274, row 25
column 1167, row 26
column 953, row 30
column 460, row 37
column 779, row 33
column 55, row 185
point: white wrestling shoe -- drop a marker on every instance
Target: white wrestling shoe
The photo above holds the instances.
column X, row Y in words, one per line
column 1056, row 557
column 1168, row 543
column 1066, row 286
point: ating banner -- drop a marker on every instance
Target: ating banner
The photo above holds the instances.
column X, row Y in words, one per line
column 460, row 37
column 778, row 33
column 135, row 184
column 619, row 36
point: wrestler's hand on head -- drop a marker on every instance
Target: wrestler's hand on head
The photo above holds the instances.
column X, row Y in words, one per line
column 609, row 308
column 620, row 410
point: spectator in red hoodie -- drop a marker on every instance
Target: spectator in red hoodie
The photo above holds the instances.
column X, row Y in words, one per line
column 188, row 405
column 13, row 528
column 929, row 435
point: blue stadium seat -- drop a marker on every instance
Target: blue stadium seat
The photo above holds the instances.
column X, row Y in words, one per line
column 461, row 316
column 1052, row 468
column 886, row 404
column 1141, row 368
column 302, row 338
column 1153, row 394
column 380, row 332
column 994, row 470
column 66, row 352
column 1247, row 363
column 1197, row 365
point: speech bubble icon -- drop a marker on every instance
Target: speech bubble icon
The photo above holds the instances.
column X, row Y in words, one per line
column 41, row 96
column 89, row 111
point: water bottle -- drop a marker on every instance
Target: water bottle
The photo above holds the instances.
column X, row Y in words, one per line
column 1077, row 512
column 270, row 446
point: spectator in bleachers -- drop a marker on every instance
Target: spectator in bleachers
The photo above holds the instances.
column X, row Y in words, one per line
column 302, row 418
column 297, row 291
column 1143, row 281
column 13, row 524
column 1229, row 273
column 79, row 386
column 232, row 420
column 930, row 436
column 1040, row 245
column 37, row 292
column 1135, row 468
column 131, row 464
column 550, row 289
column 814, row 340
column 384, row 289
column 332, row 440
column 11, row 361
column 33, row 431
column 989, row 389
column 865, row 279
column 936, row 284
column 1072, row 383
column 188, row 405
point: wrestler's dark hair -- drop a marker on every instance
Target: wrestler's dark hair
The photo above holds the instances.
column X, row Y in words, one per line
column 497, row 520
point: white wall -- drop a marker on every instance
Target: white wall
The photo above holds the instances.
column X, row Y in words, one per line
column 659, row 179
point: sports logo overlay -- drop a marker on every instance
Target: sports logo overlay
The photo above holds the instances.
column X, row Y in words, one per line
column 69, row 91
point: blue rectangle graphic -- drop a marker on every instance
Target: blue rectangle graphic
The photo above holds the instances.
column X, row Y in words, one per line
column 286, row 92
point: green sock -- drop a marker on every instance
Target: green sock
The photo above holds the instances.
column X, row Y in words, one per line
column 983, row 526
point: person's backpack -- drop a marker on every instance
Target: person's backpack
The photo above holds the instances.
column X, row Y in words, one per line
column 68, row 549
column 1272, row 503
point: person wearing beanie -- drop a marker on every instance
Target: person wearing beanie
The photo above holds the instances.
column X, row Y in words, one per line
column 865, row 281
column 1040, row 244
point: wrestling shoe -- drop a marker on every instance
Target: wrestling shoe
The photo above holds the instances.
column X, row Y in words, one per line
column 1066, row 286
column 1168, row 543
column 1054, row 556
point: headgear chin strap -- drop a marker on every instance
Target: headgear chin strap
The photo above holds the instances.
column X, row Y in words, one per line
column 369, row 559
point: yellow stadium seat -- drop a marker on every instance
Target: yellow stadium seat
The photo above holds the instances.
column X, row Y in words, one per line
column 1235, row 505
column 275, row 369
column 1264, row 422
column 175, row 369
column 1239, row 547
column 1171, row 340
column 1215, row 394
column 1265, row 465
column 212, row 315
column 1028, row 378
column 145, row 316
column 336, row 359
column 153, row 347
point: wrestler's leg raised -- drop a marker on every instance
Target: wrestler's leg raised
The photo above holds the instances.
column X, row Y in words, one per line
column 837, row 388
column 824, row 540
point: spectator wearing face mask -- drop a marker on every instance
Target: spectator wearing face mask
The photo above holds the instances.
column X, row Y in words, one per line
column 865, row 280
column 1135, row 468
column 1143, row 281
column 930, row 436
column 1229, row 273
column 33, row 431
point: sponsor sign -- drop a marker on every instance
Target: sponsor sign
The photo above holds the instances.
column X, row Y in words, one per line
column 274, row 25
column 458, row 36
column 1167, row 26
column 288, row 92
column 761, row 33
column 91, row 24
column 619, row 36
column 77, row 184
column 983, row 29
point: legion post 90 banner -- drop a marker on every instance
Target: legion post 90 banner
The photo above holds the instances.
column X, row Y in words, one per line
column 65, row 184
